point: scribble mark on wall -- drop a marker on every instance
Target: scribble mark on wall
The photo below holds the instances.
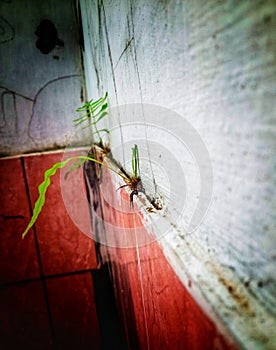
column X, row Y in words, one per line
column 7, row 32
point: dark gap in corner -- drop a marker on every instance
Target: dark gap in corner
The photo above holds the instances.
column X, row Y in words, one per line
column 125, row 305
column 78, row 18
column 113, row 336
column 80, row 37
column 89, row 183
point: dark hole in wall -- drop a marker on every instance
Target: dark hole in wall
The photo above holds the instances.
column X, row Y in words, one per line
column 47, row 36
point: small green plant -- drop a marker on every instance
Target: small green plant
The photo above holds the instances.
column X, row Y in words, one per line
column 42, row 188
column 134, row 182
column 95, row 111
column 135, row 162
column 92, row 113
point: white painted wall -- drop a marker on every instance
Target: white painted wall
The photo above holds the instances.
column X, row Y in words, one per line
column 39, row 92
column 214, row 63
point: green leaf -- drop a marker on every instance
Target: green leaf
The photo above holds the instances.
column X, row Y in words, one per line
column 104, row 107
column 81, row 118
column 96, row 121
column 135, row 161
column 95, row 105
column 94, row 109
column 97, row 131
column 92, row 105
column 104, row 130
column 74, row 167
column 85, row 106
column 42, row 188
column 90, row 108
column 100, row 112
column 100, row 118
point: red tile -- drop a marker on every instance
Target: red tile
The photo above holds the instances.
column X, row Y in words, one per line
column 23, row 318
column 18, row 257
column 73, row 310
column 63, row 246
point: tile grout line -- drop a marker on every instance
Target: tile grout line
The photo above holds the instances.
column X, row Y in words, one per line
column 46, row 277
column 43, row 279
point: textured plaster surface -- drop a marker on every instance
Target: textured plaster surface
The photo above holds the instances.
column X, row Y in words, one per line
column 39, row 92
column 214, row 63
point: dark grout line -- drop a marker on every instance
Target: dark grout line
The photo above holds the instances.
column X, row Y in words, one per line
column 43, row 280
column 65, row 274
column 87, row 180
column 46, row 277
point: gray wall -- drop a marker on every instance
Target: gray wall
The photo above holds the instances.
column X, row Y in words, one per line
column 39, row 92
column 213, row 62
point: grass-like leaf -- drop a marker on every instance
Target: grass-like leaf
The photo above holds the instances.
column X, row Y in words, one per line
column 135, row 161
column 73, row 167
column 92, row 106
column 94, row 112
column 42, row 188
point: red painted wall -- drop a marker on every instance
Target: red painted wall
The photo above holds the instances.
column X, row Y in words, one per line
column 156, row 309
column 47, row 295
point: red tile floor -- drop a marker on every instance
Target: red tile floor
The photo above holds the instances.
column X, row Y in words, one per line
column 46, row 280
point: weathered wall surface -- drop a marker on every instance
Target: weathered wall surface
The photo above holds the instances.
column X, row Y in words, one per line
column 39, row 91
column 214, row 63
